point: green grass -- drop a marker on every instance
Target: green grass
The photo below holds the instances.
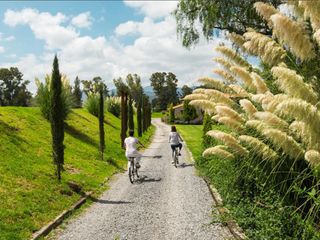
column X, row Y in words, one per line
column 29, row 192
column 192, row 135
column 157, row 114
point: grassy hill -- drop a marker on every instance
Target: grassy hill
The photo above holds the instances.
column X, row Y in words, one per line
column 29, row 192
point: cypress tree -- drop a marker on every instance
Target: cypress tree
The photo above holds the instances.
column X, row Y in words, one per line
column 77, row 93
column 56, row 119
column 130, row 113
column 101, row 120
column 139, row 116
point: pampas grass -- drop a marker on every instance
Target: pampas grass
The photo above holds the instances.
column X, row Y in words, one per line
column 233, row 56
column 248, row 107
column 245, row 76
column 265, row 47
column 218, row 151
column 271, row 119
column 313, row 158
column 259, row 83
column 285, row 142
column 293, row 85
column 294, row 35
column 227, row 77
column 258, row 147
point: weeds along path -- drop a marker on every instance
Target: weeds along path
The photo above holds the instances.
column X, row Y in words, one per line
column 168, row 202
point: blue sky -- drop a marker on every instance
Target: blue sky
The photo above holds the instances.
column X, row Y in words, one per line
column 98, row 38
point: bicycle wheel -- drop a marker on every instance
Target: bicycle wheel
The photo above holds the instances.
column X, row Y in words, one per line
column 175, row 157
column 131, row 172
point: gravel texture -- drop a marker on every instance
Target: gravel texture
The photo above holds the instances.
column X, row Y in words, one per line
column 168, row 202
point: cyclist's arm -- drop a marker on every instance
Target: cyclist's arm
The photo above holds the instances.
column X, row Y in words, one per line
column 180, row 137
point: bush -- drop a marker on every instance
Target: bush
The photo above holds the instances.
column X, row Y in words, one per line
column 43, row 96
column 92, row 104
column 113, row 105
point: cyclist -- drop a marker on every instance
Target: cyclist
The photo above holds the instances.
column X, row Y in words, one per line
column 175, row 140
column 130, row 144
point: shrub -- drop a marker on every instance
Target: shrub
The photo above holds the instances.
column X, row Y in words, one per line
column 113, row 105
column 43, row 96
column 92, row 104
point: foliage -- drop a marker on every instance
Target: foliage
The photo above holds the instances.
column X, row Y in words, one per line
column 185, row 90
column 165, row 88
column 57, row 118
column 13, row 89
column 171, row 114
column 92, row 105
column 233, row 16
column 189, row 112
column 43, row 96
column 77, row 93
column 113, row 105
column 130, row 114
column 123, row 92
column 91, row 87
column 101, row 121
column 136, row 94
column 207, row 122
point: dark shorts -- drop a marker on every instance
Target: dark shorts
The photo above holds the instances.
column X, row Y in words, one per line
column 176, row 145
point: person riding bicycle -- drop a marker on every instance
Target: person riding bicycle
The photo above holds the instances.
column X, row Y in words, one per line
column 175, row 140
column 130, row 144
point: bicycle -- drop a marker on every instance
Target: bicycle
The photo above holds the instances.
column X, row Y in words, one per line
column 175, row 156
column 133, row 170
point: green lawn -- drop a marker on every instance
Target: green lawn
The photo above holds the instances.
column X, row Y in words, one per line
column 192, row 135
column 29, row 192
column 157, row 114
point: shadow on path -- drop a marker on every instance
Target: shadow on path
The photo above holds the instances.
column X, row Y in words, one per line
column 145, row 178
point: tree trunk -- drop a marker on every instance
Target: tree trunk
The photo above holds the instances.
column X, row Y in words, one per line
column 139, row 117
column 130, row 114
column 101, row 123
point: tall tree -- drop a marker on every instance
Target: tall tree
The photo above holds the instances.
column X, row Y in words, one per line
column 136, row 92
column 130, row 113
column 165, row 88
column 13, row 89
column 56, row 119
column 232, row 15
column 92, row 86
column 186, row 90
column 77, row 93
column 123, row 91
column 101, row 120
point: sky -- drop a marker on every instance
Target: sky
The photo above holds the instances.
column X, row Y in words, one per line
column 99, row 38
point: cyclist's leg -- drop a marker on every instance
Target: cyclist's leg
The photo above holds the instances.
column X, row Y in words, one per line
column 180, row 147
column 137, row 159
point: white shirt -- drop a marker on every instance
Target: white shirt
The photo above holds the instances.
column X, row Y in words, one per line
column 174, row 138
column 131, row 145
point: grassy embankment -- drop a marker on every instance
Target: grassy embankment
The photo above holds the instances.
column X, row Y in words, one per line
column 262, row 216
column 29, row 192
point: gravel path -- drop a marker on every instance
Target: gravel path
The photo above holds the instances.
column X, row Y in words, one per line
column 168, row 203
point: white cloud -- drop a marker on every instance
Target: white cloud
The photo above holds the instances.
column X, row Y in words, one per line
column 153, row 9
column 9, row 39
column 83, row 20
column 44, row 25
column 2, row 49
column 156, row 48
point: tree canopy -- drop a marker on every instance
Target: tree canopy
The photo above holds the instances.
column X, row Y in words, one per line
column 13, row 89
column 202, row 17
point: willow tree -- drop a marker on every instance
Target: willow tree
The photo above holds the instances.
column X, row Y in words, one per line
column 57, row 119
